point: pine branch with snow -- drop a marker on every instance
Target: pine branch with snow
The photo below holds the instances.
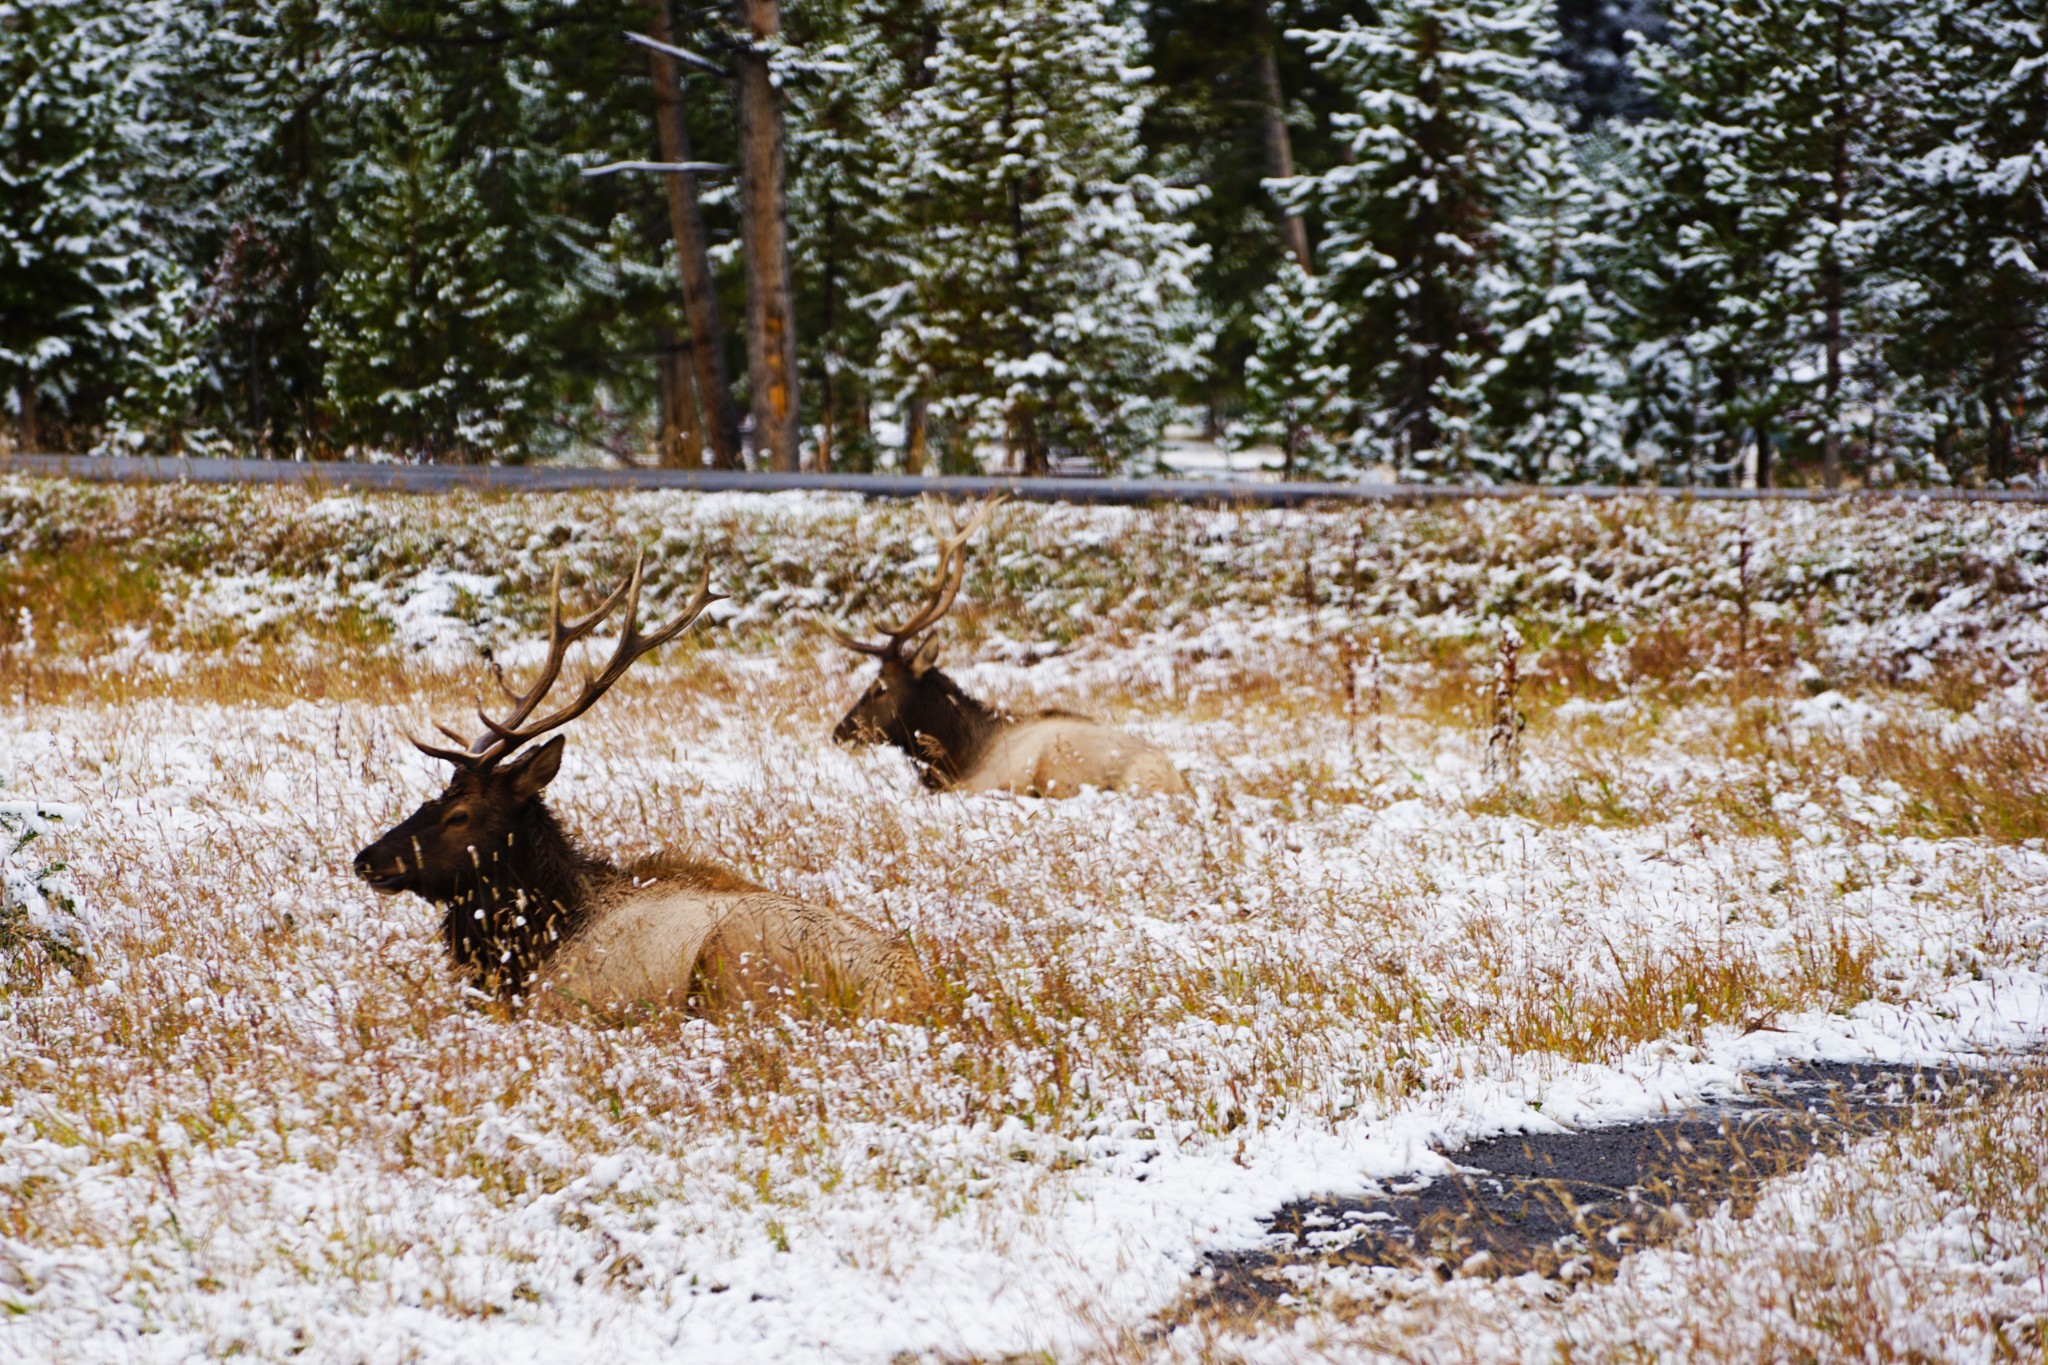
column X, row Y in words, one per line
column 39, row 903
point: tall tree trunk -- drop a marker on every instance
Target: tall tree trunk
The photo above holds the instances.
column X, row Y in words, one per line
column 1728, row 440
column 1831, row 443
column 771, row 305
column 721, row 419
column 1020, row 438
column 31, row 439
column 821, row 460
column 256, row 421
column 1431, row 303
column 1763, row 455
column 916, row 434
column 1035, row 462
column 1279, row 145
column 682, row 434
column 1999, row 458
column 828, row 412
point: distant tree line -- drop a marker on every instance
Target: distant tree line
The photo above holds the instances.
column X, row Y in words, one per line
column 1595, row 240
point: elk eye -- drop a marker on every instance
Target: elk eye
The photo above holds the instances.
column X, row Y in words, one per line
column 458, row 817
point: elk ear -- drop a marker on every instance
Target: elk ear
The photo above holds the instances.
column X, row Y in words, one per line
column 536, row 770
column 926, row 658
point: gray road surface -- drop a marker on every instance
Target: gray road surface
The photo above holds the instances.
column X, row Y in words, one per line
column 414, row 478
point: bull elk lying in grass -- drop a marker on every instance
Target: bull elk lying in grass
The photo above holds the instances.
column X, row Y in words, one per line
column 962, row 744
column 525, row 910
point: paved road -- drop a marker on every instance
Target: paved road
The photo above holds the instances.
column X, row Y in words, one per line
column 412, row 478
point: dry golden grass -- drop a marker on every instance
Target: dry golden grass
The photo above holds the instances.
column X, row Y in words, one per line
column 1335, row 932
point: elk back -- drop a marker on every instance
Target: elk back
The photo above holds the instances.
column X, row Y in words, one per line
column 1058, row 755
column 663, row 944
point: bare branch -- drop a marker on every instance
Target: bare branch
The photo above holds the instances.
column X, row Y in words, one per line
column 681, row 54
column 664, row 167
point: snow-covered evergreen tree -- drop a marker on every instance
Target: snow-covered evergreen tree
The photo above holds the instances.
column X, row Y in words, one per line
column 1757, row 197
column 1452, row 244
column 1296, row 394
column 426, row 323
column 844, row 75
column 458, row 266
column 289, row 226
column 186, row 137
column 71, row 262
column 1547, row 392
column 1048, row 291
column 252, row 121
column 1969, row 244
column 168, row 381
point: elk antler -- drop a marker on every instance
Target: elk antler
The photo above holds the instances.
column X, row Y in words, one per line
column 501, row 737
column 952, row 539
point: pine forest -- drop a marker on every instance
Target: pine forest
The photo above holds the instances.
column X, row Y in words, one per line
column 1699, row 242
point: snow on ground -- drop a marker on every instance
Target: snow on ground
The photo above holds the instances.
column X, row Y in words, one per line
column 265, row 1123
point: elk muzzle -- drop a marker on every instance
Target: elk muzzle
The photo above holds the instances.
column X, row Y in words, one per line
column 386, row 873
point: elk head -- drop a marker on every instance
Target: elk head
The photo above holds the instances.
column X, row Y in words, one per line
column 909, row 702
column 488, row 832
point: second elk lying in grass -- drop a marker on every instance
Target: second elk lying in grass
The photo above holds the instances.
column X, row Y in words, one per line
column 963, row 744
column 525, row 911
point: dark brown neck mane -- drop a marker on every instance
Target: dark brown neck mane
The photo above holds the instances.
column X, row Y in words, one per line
column 945, row 731
column 510, row 912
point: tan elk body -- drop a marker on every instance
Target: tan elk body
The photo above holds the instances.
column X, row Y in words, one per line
column 1054, row 754
column 962, row 744
column 665, row 933
column 526, row 912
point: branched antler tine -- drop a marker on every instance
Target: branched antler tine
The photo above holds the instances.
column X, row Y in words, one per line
column 952, row 586
column 857, row 646
column 630, row 632
column 576, row 631
column 982, row 513
column 461, row 758
column 682, row 620
column 497, row 730
column 507, row 734
column 623, row 653
column 960, row 535
column 459, row 739
column 939, row 597
column 954, row 539
column 492, row 744
column 632, row 644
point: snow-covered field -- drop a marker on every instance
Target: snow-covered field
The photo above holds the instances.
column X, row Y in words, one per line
column 1783, row 791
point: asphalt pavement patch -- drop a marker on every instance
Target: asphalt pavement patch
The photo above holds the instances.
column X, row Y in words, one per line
column 1571, row 1205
